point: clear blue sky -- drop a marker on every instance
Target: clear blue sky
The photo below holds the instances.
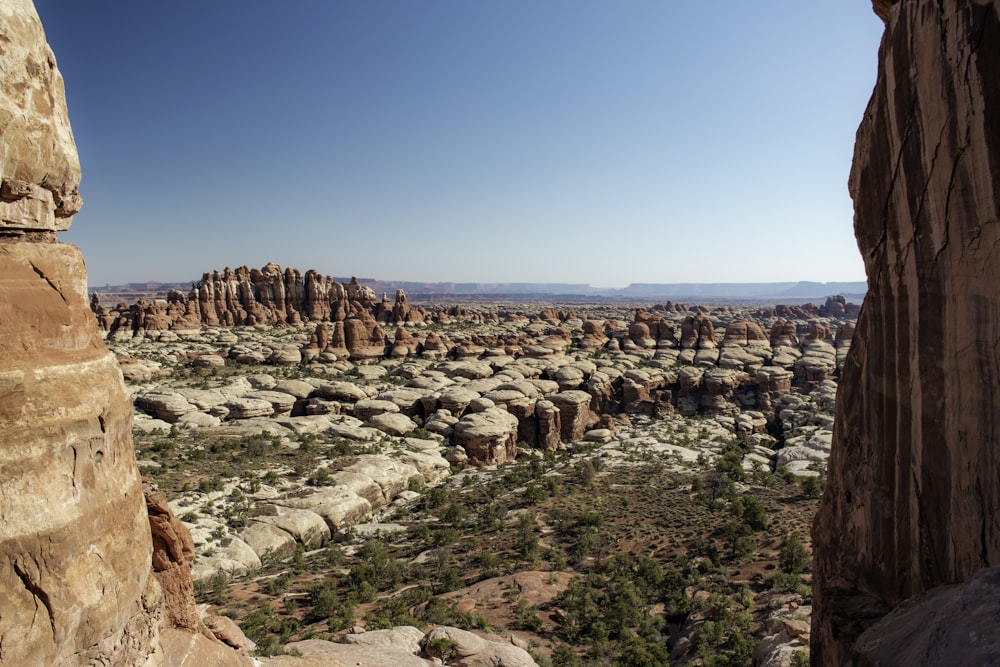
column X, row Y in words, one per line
column 602, row 142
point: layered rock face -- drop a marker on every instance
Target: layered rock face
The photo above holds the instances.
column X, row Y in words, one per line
column 77, row 582
column 73, row 523
column 912, row 500
column 246, row 296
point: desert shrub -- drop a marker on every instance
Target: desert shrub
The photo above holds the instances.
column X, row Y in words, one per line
column 376, row 571
column 812, row 487
column 321, row 477
column 564, row 656
column 739, row 541
column 269, row 631
column 210, row 485
column 725, row 640
column 390, row 613
column 535, row 494
column 609, row 610
column 527, row 538
column 441, row 647
column 639, row 653
column 526, row 618
column 325, row 604
column 751, row 511
column 490, row 514
column 451, row 579
column 557, row 557
column 445, row 536
column 489, row 563
column 435, row 497
column 340, row 447
column 785, row 583
column 436, row 611
column 729, row 464
column 794, row 557
column 453, row 513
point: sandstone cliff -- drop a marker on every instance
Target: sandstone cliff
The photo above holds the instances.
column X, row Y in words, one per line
column 73, row 524
column 913, row 499
column 76, row 582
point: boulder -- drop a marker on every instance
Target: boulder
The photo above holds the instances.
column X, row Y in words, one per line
column 268, row 540
column 488, row 437
column 306, row 527
column 948, row 625
column 472, row 650
column 393, row 423
column 165, row 405
column 575, row 415
column 248, row 408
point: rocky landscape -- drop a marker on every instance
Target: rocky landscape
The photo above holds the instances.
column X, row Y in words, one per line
column 513, row 484
column 279, row 439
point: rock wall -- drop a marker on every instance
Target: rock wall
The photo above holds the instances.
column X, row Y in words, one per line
column 77, row 585
column 913, row 500
column 73, row 523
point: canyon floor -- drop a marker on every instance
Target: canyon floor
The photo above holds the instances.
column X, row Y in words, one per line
column 665, row 521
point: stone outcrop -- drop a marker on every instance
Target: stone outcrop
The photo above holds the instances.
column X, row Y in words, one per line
column 912, row 500
column 269, row 295
column 92, row 570
column 74, row 521
column 925, row 630
column 488, row 437
column 39, row 167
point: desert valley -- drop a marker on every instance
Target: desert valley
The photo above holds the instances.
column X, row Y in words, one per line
column 494, row 467
column 276, row 468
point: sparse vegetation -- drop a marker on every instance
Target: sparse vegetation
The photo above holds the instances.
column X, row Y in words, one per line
column 595, row 554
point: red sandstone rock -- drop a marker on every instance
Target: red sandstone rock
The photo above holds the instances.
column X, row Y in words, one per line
column 697, row 332
column 912, row 500
column 743, row 332
column 173, row 556
column 784, row 334
column 76, row 541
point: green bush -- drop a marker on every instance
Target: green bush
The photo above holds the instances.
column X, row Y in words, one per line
column 812, row 487
column 751, row 511
column 441, row 647
column 269, row 631
column 794, row 557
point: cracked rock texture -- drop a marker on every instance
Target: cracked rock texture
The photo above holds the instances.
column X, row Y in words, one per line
column 38, row 163
column 913, row 500
column 73, row 523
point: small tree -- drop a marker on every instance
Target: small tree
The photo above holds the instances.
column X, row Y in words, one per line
column 752, row 511
column 794, row 557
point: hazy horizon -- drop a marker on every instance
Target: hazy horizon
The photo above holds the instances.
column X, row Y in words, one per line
column 557, row 141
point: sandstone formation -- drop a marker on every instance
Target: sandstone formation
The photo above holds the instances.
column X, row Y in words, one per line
column 948, row 625
column 74, row 522
column 521, row 365
column 84, row 578
column 912, row 500
column 268, row 295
